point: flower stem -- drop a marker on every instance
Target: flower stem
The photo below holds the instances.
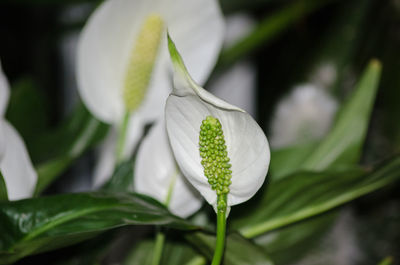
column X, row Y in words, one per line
column 221, row 228
column 121, row 138
column 158, row 248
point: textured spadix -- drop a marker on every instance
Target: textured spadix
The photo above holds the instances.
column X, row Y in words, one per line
column 15, row 165
column 247, row 147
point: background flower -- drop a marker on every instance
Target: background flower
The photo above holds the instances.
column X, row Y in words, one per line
column 15, row 165
column 158, row 175
column 304, row 115
column 105, row 50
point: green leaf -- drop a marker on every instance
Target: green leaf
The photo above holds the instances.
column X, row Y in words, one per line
column 174, row 252
column 238, row 251
column 286, row 160
column 122, row 178
column 141, row 254
column 344, row 143
column 306, row 194
column 3, row 189
column 48, row 171
column 61, row 147
column 27, row 111
column 41, row 224
column 296, row 239
column 340, row 41
column 268, row 29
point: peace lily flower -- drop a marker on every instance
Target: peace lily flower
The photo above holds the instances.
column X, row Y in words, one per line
column 219, row 148
column 123, row 65
column 15, row 165
column 157, row 174
column 233, row 160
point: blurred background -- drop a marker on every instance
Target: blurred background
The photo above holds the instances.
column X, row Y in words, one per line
column 291, row 64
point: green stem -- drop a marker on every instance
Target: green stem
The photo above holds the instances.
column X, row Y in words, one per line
column 121, row 138
column 221, row 228
column 158, row 248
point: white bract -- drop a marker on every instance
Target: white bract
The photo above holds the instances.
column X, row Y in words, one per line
column 157, row 174
column 123, row 63
column 246, row 145
column 305, row 114
column 15, row 165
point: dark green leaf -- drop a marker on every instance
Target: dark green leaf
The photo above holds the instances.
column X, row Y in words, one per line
column 62, row 146
column 286, row 160
column 3, row 189
column 343, row 144
column 306, row 194
column 238, row 251
column 27, row 111
column 174, row 252
column 296, row 239
column 40, row 224
column 122, row 178
column 141, row 254
column 50, row 170
column 268, row 29
column 338, row 45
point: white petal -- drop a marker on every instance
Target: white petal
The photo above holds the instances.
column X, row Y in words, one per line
column 4, row 92
column 109, row 35
column 103, row 52
column 106, row 160
column 15, row 165
column 156, row 170
column 246, row 143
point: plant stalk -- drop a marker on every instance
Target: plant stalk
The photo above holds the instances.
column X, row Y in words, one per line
column 158, row 248
column 221, row 229
column 122, row 138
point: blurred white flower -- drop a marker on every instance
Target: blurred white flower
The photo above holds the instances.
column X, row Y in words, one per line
column 324, row 75
column 236, row 154
column 15, row 165
column 305, row 114
column 157, row 174
column 123, row 66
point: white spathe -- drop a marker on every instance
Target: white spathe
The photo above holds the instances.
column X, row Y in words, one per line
column 247, row 146
column 106, row 44
column 104, row 51
column 15, row 165
column 157, row 174
column 304, row 115
column 4, row 92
